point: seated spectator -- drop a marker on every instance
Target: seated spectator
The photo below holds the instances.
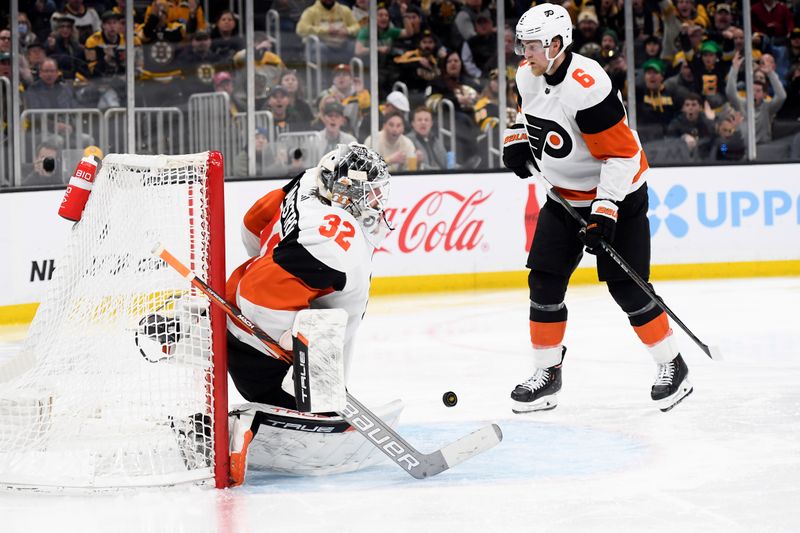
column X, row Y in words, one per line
column 709, row 73
column 271, row 159
column 49, row 92
column 693, row 125
column 25, row 74
column 464, row 23
column 431, row 153
column 690, row 12
column 652, row 50
column 772, row 18
column 297, row 102
column 187, row 13
column 361, row 12
column 395, row 148
column 64, row 46
column 198, row 64
column 26, row 34
column 655, row 106
column 587, row 29
column 396, row 102
column 387, row 34
column 39, row 13
column 38, row 175
column 728, row 144
column 682, row 83
column 787, row 56
column 225, row 39
column 441, row 20
column 458, row 88
column 268, row 63
column 765, row 110
column 85, row 19
column 790, row 111
column 333, row 119
column 160, row 38
column 412, row 29
column 480, row 48
column 283, row 117
column 351, row 94
column 610, row 16
column 608, row 46
column 223, row 82
column 617, row 69
column 35, row 55
column 261, row 89
column 105, row 54
column 420, row 66
column 335, row 26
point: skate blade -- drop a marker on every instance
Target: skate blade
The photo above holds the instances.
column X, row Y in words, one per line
column 671, row 401
column 545, row 403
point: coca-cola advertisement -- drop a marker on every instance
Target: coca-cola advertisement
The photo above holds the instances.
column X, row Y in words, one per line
column 457, row 224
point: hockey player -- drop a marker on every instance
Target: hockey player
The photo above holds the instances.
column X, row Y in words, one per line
column 311, row 244
column 572, row 128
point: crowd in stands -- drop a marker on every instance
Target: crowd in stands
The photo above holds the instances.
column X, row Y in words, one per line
column 689, row 54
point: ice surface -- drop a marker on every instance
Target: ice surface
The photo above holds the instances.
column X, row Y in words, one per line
column 726, row 459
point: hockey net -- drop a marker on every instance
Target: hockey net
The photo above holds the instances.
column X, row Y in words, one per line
column 122, row 379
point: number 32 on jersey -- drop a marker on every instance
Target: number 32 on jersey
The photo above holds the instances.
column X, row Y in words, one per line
column 342, row 230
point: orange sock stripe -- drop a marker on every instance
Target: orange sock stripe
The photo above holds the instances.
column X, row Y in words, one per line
column 547, row 334
column 654, row 331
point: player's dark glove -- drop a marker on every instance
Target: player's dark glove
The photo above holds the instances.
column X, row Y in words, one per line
column 516, row 150
column 602, row 224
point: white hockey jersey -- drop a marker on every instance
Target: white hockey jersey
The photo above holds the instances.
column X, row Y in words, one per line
column 578, row 131
column 305, row 254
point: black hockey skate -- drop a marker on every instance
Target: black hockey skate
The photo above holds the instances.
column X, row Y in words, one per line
column 538, row 393
column 672, row 384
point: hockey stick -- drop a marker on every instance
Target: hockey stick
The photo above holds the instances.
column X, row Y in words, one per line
column 711, row 351
column 376, row 431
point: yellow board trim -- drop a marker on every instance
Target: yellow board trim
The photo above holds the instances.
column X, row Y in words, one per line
column 582, row 276
column 23, row 313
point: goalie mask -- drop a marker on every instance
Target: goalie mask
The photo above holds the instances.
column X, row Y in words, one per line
column 544, row 23
column 356, row 179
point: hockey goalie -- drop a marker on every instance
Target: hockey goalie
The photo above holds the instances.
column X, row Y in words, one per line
column 307, row 284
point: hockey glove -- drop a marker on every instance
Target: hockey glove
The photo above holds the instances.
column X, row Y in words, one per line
column 516, row 150
column 601, row 225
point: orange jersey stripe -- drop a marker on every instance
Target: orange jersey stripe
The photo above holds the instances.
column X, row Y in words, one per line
column 616, row 141
column 643, row 165
column 264, row 211
column 547, row 334
column 654, row 331
column 285, row 292
column 571, row 194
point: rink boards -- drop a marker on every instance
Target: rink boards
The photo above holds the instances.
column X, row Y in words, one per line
column 461, row 231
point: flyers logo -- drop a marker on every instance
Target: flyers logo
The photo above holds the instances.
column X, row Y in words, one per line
column 548, row 137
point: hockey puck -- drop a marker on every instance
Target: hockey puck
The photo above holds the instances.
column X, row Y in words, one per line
column 449, row 398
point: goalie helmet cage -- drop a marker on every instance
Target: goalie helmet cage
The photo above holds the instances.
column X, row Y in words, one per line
column 122, row 381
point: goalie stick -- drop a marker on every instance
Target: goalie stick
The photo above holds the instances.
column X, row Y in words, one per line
column 711, row 351
column 376, row 431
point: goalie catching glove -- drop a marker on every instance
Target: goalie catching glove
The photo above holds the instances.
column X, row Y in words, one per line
column 601, row 225
column 516, row 150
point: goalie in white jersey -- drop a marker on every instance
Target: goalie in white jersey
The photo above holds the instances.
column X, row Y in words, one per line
column 572, row 128
column 310, row 244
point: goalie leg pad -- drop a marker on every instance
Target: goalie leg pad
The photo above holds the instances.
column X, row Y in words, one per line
column 318, row 368
column 306, row 444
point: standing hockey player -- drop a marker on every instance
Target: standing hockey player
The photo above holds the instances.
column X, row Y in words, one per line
column 311, row 245
column 572, row 128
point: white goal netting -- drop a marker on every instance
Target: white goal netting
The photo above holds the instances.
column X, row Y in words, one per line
column 114, row 385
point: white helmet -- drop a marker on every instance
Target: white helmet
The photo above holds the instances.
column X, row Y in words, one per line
column 356, row 178
column 543, row 23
